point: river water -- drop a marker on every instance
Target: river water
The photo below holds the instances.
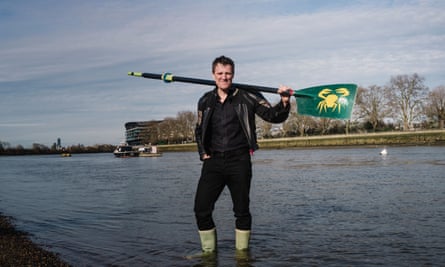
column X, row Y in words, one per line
column 310, row 207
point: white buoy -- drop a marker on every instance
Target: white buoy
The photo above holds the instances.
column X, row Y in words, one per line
column 384, row 152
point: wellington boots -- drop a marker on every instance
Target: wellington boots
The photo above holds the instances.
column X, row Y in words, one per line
column 242, row 239
column 208, row 240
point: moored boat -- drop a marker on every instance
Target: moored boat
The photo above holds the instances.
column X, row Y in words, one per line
column 125, row 151
column 151, row 151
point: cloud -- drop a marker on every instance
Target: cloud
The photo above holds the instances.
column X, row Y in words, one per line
column 68, row 61
column 20, row 124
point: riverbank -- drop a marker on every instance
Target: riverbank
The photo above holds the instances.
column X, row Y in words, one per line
column 431, row 137
column 414, row 138
column 16, row 249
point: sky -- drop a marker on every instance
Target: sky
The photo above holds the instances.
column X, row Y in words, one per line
column 64, row 64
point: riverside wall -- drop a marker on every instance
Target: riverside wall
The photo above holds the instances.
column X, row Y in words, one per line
column 432, row 137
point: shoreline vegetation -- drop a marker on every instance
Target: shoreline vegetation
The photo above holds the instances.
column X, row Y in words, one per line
column 395, row 138
column 17, row 249
column 430, row 137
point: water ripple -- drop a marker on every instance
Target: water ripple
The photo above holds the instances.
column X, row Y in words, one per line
column 314, row 207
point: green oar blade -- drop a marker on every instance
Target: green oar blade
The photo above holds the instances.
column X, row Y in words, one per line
column 330, row 101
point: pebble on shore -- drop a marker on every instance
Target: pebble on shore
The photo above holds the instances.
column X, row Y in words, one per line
column 16, row 249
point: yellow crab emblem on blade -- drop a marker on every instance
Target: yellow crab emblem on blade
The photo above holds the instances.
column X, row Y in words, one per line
column 332, row 100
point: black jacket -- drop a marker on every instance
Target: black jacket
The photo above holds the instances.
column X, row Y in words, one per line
column 247, row 104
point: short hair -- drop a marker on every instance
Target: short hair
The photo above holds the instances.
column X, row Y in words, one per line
column 223, row 60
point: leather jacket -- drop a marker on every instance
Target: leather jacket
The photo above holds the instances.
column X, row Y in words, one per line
column 247, row 104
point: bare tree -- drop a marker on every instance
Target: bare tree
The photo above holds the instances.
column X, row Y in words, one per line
column 186, row 124
column 290, row 126
column 4, row 146
column 263, row 127
column 39, row 148
column 406, row 95
column 435, row 108
column 155, row 134
column 168, row 129
column 298, row 124
column 371, row 105
column 324, row 124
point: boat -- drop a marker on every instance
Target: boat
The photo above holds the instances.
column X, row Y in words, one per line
column 151, row 151
column 125, row 151
column 384, row 152
column 65, row 154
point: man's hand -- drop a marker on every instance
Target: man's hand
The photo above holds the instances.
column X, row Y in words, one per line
column 284, row 91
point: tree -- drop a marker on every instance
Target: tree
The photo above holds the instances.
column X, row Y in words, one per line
column 3, row 146
column 298, row 124
column 435, row 108
column 263, row 127
column 324, row 125
column 290, row 126
column 371, row 105
column 169, row 131
column 406, row 95
column 19, row 150
column 154, row 135
column 39, row 148
column 186, row 124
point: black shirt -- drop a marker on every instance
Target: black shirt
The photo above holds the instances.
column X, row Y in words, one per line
column 226, row 131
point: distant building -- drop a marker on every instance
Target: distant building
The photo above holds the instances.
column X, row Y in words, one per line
column 141, row 132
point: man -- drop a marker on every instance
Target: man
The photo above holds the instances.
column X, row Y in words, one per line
column 226, row 137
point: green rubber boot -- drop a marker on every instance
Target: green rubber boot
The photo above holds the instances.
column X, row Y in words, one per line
column 208, row 240
column 242, row 238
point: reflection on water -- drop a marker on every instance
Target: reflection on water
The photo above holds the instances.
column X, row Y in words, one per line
column 311, row 207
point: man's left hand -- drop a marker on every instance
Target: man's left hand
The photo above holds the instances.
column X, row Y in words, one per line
column 284, row 91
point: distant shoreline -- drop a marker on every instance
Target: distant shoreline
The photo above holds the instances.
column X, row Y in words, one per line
column 430, row 137
column 424, row 137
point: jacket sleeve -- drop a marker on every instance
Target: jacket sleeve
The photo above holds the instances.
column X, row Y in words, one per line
column 272, row 114
column 199, row 128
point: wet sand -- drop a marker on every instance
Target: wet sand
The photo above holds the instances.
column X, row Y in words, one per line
column 16, row 249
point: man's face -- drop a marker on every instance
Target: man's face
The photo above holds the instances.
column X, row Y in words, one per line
column 223, row 76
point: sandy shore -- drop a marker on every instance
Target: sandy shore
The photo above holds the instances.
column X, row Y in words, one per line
column 16, row 249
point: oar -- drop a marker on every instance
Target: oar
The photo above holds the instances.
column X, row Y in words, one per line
column 330, row 101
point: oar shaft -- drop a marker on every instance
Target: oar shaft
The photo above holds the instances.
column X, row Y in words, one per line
column 192, row 80
column 168, row 77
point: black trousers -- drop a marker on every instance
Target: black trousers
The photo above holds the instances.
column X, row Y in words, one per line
column 234, row 170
